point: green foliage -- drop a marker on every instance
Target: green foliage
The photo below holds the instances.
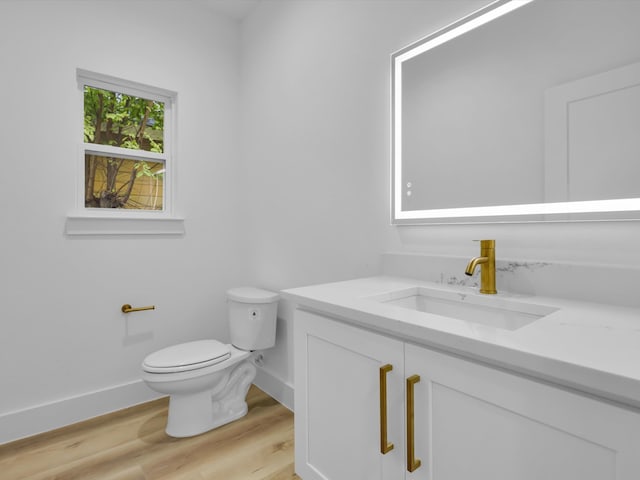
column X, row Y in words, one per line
column 120, row 120
column 126, row 121
column 143, row 168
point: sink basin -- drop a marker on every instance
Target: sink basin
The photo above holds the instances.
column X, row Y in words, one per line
column 497, row 312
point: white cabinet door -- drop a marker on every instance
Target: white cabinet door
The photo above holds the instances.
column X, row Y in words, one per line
column 337, row 401
column 474, row 422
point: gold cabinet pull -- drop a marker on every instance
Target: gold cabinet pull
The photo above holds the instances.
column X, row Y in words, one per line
column 126, row 308
column 412, row 462
column 385, row 447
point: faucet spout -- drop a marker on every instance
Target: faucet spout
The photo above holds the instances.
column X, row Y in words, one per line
column 473, row 263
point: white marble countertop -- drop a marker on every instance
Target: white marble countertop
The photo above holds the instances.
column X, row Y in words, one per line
column 591, row 347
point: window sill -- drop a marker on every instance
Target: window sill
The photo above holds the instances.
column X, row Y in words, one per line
column 103, row 225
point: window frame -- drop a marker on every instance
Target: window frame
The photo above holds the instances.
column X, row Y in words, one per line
column 89, row 221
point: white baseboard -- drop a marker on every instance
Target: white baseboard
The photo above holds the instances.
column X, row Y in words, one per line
column 42, row 418
column 61, row 413
column 275, row 387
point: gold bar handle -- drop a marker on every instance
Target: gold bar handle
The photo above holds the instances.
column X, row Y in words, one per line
column 126, row 308
column 385, row 447
column 412, row 462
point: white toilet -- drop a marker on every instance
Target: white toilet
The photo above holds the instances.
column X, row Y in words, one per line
column 207, row 381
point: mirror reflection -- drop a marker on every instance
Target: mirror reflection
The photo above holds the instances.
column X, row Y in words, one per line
column 539, row 105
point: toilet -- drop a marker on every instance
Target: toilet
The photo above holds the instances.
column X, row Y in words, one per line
column 206, row 380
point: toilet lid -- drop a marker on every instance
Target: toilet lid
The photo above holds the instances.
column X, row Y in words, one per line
column 186, row 356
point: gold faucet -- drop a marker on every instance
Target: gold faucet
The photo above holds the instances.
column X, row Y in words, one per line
column 487, row 259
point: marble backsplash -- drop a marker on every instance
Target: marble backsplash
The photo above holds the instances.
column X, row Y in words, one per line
column 611, row 284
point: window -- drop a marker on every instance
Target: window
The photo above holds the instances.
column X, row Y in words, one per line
column 112, row 178
column 127, row 166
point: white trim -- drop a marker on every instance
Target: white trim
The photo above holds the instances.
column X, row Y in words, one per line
column 49, row 416
column 128, row 87
column 61, row 413
column 275, row 387
column 96, row 221
column 104, row 224
column 128, row 153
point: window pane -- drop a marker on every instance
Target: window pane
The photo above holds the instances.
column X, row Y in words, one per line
column 120, row 120
column 112, row 182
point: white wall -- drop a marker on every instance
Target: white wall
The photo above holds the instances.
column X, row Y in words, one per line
column 61, row 330
column 316, row 140
column 316, row 155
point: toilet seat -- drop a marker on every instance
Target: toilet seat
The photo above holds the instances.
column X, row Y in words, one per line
column 186, row 357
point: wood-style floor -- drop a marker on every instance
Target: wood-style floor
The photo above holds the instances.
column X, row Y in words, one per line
column 131, row 445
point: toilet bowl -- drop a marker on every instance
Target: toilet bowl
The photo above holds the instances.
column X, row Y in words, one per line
column 206, row 380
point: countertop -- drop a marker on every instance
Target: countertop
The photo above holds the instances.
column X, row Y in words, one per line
column 590, row 347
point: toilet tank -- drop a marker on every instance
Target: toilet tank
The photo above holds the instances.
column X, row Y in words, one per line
column 252, row 317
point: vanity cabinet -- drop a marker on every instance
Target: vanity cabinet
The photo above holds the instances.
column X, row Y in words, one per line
column 469, row 420
column 476, row 422
column 337, row 394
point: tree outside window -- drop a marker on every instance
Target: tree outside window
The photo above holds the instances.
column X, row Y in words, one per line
column 119, row 174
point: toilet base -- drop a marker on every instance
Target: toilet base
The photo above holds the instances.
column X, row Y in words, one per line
column 196, row 413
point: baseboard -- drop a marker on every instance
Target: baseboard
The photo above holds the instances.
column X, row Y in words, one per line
column 60, row 413
column 275, row 387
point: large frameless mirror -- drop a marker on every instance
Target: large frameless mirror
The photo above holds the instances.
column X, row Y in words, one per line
column 521, row 111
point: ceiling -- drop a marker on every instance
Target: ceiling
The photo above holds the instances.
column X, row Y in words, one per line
column 236, row 9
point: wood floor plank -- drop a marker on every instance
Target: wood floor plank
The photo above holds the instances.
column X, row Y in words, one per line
column 132, row 473
column 131, row 445
column 263, row 455
column 70, row 441
column 72, row 453
column 285, row 473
